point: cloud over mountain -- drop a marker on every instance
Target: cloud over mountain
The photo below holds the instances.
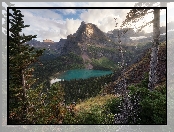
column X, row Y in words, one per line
column 58, row 23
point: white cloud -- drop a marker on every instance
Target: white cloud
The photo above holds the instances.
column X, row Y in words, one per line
column 72, row 26
column 43, row 23
column 45, row 13
column 104, row 18
column 48, row 24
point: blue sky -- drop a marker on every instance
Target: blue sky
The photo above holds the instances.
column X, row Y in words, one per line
column 55, row 24
column 75, row 14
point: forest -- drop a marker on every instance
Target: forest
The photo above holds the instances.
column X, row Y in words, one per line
column 127, row 96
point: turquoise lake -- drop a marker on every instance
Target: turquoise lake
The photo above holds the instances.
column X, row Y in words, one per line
column 82, row 74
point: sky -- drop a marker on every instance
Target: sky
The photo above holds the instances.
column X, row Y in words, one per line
column 55, row 24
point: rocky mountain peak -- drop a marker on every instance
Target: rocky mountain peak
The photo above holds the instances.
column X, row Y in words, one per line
column 88, row 31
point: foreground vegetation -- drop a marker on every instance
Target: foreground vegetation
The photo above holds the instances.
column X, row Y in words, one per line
column 147, row 107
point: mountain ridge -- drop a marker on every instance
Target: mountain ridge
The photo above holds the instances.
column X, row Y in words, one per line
column 93, row 45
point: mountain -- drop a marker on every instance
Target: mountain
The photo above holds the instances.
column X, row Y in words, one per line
column 52, row 49
column 47, row 45
column 87, row 37
column 96, row 47
column 89, row 48
column 93, row 45
column 128, row 35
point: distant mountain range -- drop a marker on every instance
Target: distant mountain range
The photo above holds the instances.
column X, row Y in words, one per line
column 83, row 35
column 96, row 47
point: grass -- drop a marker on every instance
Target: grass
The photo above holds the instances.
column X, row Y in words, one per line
column 104, row 62
column 94, row 101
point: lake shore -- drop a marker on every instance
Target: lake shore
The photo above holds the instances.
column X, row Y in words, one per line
column 77, row 74
column 56, row 75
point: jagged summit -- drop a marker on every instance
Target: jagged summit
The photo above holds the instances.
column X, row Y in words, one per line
column 89, row 31
column 86, row 34
column 80, row 43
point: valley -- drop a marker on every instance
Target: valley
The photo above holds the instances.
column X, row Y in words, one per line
column 90, row 50
column 94, row 50
column 94, row 74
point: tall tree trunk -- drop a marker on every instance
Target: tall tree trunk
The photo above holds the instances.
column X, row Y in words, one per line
column 154, row 54
column 25, row 109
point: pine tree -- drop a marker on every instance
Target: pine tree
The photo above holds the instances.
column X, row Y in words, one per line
column 20, row 57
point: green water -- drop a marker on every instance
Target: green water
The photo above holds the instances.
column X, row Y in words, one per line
column 82, row 74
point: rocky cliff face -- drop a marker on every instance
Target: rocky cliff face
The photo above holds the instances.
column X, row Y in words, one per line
column 87, row 35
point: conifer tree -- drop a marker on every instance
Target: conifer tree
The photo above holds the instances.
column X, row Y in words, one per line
column 20, row 57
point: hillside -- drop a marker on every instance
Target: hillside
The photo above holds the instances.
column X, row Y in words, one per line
column 139, row 71
column 103, row 107
column 94, row 101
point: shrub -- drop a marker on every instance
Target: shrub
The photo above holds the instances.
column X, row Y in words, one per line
column 113, row 105
column 150, row 106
